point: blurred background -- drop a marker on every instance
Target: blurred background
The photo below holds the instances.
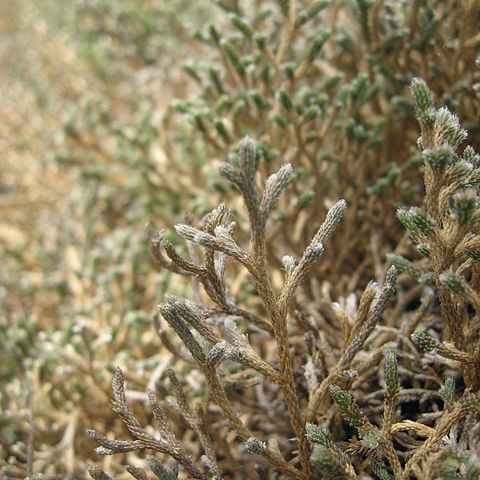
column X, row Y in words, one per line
column 84, row 88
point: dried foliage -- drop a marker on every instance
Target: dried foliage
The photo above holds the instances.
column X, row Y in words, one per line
column 337, row 110
column 386, row 438
column 77, row 283
column 308, row 331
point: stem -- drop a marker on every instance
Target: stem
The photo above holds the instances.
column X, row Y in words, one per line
column 278, row 317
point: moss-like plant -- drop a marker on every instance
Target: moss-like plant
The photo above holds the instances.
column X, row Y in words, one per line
column 283, row 353
column 210, row 330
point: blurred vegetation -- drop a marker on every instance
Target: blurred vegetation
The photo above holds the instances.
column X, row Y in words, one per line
column 112, row 115
column 84, row 88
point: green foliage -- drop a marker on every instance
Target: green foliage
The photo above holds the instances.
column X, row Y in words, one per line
column 317, row 434
column 391, row 373
column 448, row 391
column 156, row 466
column 424, row 342
column 455, row 466
column 404, row 266
column 347, row 406
column 423, row 98
column 379, row 469
column 328, row 464
column 452, row 282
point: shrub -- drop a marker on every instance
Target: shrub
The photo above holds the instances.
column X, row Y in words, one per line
column 289, row 361
column 334, row 107
column 213, row 341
